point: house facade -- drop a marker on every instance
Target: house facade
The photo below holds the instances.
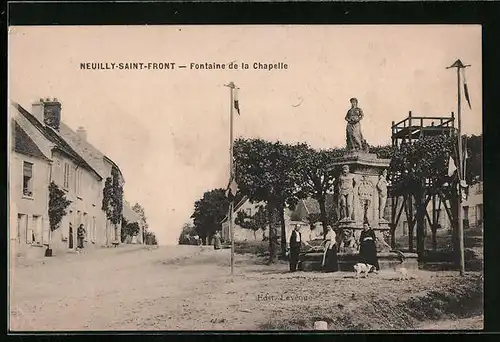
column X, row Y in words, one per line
column 240, row 233
column 67, row 159
column 298, row 217
column 29, row 174
column 473, row 207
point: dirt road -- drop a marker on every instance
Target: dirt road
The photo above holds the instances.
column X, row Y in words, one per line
column 190, row 288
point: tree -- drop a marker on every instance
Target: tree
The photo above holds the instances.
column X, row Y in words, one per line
column 474, row 162
column 383, row 151
column 112, row 201
column 129, row 229
column 208, row 213
column 255, row 222
column 317, row 178
column 143, row 223
column 150, row 238
column 268, row 172
column 420, row 170
column 187, row 234
column 57, row 206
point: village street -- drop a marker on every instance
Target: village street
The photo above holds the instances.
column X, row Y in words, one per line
column 190, row 288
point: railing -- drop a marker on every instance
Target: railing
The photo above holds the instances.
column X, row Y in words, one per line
column 423, row 122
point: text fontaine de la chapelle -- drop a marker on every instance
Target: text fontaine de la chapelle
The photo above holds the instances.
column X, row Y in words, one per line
column 192, row 66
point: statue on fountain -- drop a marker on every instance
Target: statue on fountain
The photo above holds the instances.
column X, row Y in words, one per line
column 354, row 137
column 346, row 193
column 365, row 195
column 382, row 193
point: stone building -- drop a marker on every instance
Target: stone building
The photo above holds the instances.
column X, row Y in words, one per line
column 56, row 153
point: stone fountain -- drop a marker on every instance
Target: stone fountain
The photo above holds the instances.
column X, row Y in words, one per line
column 362, row 196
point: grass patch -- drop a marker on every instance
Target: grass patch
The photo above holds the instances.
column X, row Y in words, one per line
column 259, row 248
column 460, row 298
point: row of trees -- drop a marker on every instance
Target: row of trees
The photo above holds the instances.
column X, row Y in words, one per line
column 112, row 205
column 280, row 174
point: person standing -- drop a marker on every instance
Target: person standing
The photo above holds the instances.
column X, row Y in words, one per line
column 217, row 240
column 81, row 232
column 330, row 263
column 295, row 244
column 368, row 247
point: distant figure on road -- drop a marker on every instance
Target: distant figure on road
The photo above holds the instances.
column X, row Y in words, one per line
column 217, row 240
column 368, row 247
column 81, row 235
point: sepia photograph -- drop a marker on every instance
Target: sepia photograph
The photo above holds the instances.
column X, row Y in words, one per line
column 245, row 178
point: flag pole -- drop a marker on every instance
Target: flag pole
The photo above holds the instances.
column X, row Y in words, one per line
column 459, row 65
column 231, row 172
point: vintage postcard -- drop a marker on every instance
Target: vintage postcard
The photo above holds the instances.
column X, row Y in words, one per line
column 245, row 177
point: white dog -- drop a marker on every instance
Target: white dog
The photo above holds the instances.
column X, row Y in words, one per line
column 403, row 273
column 361, row 268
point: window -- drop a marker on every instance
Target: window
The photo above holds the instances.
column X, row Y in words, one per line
column 27, row 179
column 66, row 176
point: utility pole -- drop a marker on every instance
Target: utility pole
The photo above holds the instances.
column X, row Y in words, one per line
column 231, row 171
column 459, row 65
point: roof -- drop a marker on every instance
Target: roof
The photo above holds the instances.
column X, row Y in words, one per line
column 57, row 139
column 24, row 144
column 312, row 205
column 92, row 155
column 236, row 207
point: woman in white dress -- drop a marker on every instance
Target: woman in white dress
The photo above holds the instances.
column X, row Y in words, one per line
column 330, row 263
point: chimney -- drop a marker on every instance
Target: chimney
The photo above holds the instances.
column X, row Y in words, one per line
column 82, row 133
column 52, row 113
column 37, row 110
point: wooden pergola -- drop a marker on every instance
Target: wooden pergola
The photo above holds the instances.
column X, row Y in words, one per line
column 408, row 131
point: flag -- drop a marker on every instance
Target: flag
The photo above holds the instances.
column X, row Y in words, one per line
column 466, row 89
column 451, row 167
column 232, row 188
column 236, row 103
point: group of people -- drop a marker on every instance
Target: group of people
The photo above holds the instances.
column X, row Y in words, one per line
column 367, row 249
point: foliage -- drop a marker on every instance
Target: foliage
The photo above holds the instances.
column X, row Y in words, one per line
column 57, row 205
column 112, row 201
column 187, row 234
column 313, row 218
column 150, row 238
column 474, row 164
column 129, row 229
column 317, row 177
column 209, row 211
column 254, row 222
column 268, row 172
column 383, row 151
column 139, row 210
column 424, row 160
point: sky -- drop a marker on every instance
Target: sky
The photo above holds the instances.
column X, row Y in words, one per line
column 168, row 130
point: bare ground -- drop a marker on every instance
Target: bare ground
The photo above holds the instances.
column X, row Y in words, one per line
column 190, row 288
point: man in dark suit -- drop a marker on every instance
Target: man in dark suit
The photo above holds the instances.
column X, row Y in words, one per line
column 295, row 244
